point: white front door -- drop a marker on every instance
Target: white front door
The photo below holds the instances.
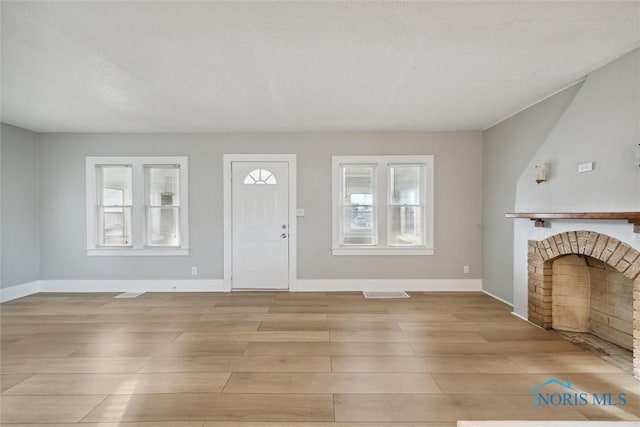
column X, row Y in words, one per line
column 260, row 225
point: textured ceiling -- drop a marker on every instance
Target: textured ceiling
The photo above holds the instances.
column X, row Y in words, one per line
column 297, row 66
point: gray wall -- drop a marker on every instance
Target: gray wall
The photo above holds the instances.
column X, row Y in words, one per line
column 458, row 187
column 601, row 125
column 507, row 149
column 19, row 190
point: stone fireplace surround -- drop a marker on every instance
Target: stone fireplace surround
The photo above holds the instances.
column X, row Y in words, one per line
column 618, row 255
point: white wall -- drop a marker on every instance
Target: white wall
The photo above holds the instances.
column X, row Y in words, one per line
column 507, row 149
column 19, row 218
column 458, row 187
column 600, row 125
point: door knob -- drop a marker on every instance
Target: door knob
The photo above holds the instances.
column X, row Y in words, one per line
column 283, row 235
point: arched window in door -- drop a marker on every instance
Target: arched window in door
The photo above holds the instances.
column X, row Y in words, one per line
column 260, row 176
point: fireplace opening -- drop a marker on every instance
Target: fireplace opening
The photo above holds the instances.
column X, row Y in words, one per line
column 586, row 286
column 592, row 306
column 590, row 296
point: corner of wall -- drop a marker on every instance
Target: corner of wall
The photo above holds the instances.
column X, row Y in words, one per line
column 38, row 142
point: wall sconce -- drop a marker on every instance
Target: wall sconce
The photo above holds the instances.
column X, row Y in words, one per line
column 542, row 172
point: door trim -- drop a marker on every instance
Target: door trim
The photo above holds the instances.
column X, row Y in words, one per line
column 227, row 160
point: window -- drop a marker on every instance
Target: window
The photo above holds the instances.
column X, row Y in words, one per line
column 260, row 176
column 137, row 206
column 382, row 205
column 114, row 205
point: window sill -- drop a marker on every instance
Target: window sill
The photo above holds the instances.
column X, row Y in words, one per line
column 382, row 251
column 139, row 252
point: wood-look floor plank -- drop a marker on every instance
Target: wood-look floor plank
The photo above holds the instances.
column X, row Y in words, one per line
column 328, row 325
column 39, row 349
column 370, row 383
column 488, row 384
column 239, row 364
column 387, row 317
column 200, row 382
column 77, row 310
column 96, row 318
column 163, row 302
column 210, row 348
column 330, row 349
column 342, row 308
column 143, row 424
column 113, row 337
column 534, row 334
column 234, row 310
column 429, row 326
column 629, row 412
column 436, row 407
column 503, row 347
column 312, row 424
column 261, row 336
column 391, row 336
column 495, row 384
column 264, row 317
column 9, row 337
column 71, row 365
column 161, row 316
column 551, row 363
column 236, row 301
column 8, row 381
column 221, row 325
column 454, row 364
column 68, row 327
column 46, row 409
column 212, row 407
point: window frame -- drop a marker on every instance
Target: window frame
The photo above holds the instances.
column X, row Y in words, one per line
column 382, row 199
column 374, row 202
column 138, row 245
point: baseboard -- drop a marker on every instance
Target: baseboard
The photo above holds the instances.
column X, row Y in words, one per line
column 131, row 286
column 547, row 423
column 433, row 285
column 521, row 317
column 18, row 291
column 497, row 297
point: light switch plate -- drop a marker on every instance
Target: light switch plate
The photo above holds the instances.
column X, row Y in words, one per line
column 585, row 167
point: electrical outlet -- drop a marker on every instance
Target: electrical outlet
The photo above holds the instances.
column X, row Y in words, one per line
column 466, row 269
column 194, row 271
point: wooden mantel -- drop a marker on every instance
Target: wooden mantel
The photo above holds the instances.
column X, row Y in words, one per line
column 539, row 218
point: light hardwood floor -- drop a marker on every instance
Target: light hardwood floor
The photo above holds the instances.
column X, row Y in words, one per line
column 286, row 359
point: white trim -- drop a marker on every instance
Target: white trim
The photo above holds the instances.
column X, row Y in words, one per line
column 217, row 285
column 547, row 424
column 498, row 298
column 138, row 207
column 433, row 285
column 382, row 251
column 138, row 252
column 521, row 317
column 227, row 160
column 18, row 291
column 381, row 204
column 179, row 285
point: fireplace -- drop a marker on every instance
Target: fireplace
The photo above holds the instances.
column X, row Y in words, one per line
column 584, row 281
